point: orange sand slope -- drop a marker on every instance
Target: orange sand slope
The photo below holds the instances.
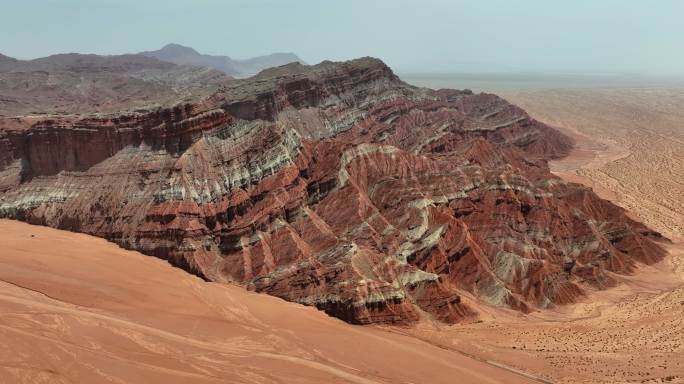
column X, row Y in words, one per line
column 76, row 309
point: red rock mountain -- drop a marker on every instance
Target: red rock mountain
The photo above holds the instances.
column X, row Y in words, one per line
column 335, row 185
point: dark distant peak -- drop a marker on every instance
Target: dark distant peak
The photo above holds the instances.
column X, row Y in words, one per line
column 8, row 63
column 280, row 57
column 178, row 49
column 177, row 54
column 182, row 55
column 6, row 58
column 285, row 55
column 175, row 46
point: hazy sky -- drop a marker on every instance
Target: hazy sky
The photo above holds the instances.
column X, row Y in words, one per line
column 639, row 36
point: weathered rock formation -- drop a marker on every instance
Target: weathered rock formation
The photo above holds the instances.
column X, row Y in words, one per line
column 335, row 185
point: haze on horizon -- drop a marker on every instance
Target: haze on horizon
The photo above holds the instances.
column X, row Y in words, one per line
column 432, row 36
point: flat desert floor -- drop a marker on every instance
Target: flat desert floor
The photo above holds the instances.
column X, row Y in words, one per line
column 630, row 149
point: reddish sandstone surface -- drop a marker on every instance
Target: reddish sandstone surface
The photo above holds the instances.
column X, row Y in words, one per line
column 337, row 186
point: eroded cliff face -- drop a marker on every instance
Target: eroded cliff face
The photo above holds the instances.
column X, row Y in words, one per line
column 335, row 185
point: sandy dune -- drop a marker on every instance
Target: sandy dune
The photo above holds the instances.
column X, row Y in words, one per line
column 76, row 309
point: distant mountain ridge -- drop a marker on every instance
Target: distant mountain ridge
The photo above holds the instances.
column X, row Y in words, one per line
column 6, row 58
column 80, row 83
column 72, row 82
column 179, row 54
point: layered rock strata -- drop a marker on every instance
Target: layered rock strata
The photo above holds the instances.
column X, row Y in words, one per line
column 337, row 186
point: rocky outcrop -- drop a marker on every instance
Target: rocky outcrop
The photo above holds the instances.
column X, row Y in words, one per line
column 336, row 186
